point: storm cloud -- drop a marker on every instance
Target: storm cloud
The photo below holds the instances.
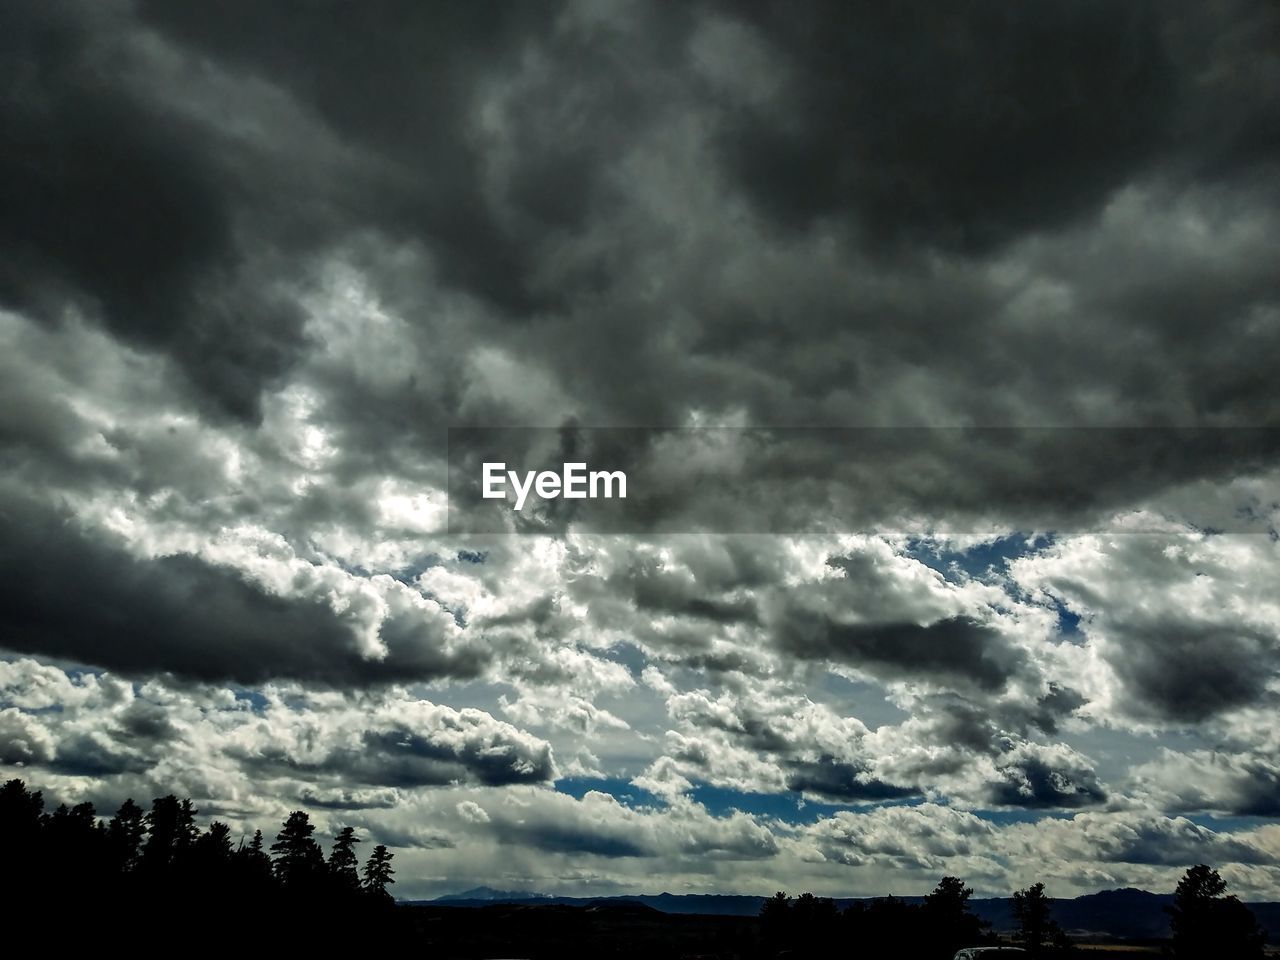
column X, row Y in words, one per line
column 939, row 344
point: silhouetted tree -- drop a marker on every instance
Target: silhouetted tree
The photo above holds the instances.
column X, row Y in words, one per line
column 299, row 861
column 171, row 829
column 215, row 844
column 252, row 867
column 344, row 866
column 125, row 833
column 775, row 921
column 814, row 923
column 254, row 855
column 19, row 808
column 74, row 836
column 1208, row 924
column 377, row 873
column 949, row 922
column 208, row 868
column 1038, row 933
column 19, row 821
column 887, row 926
column 779, row 905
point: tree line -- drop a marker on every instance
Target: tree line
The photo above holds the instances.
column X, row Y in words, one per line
column 162, row 858
column 1205, row 923
column 935, row 928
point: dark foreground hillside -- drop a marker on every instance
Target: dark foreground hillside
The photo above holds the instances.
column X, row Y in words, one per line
column 568, row 933
column 1111, row 914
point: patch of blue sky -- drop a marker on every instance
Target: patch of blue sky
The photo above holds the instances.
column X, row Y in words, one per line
column 1068, row 622
column 619, row 788
column 77, row 674
column 409, row 573
column 256, row 701
column 787, row 807
column 980, row 561
column 989, row 560
column 629, row 655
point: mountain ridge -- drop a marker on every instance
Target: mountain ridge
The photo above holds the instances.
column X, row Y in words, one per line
column 1124, row 913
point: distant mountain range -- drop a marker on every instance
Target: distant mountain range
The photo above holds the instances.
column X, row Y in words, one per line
column 487, row 895
column 1123, row 914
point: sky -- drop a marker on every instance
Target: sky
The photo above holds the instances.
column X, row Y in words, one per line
column 256, row 261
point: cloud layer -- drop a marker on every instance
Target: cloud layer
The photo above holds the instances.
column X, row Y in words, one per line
column 254, row 264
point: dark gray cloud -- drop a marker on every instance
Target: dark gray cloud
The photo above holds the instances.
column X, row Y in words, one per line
column 342, row 799
column 127, row 209
column 1037, row 782
column 556, row 837
column 403, row 82
column 980, row 725
column 494, row 139
column 959, row 129
column 1190, row 672
column 1244, row 782
column 842, row 782
column 405, row 758
column 85, row 755
column 954, row 648
column 1178, row 842
column 66, row 593
column 653, row 592
column 146, row 722
column 1258, row 791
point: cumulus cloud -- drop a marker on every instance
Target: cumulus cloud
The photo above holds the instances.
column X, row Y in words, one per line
column 1242, row 783
column 338, row 752
column 1045, row 777
column 75, row 595
column 1185, row 622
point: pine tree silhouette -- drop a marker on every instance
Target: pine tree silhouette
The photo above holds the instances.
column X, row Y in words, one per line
column 1207, row 923
column 20, row 821
column 125, row 833
column 377, row 873
column 299, row 861
column 253, row 867
column 215, row 845
column 950, row 923
column 71, row 834
column 344, row 866
column 1038, row 933
column 171, row 829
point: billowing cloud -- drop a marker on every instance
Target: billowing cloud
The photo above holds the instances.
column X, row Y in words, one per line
column 77, row 596
column 1052, row 777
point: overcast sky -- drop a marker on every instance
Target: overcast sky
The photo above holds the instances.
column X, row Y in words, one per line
column 257, row 258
